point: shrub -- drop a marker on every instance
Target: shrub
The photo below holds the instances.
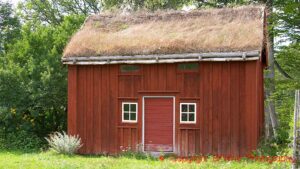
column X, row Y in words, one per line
column 129, row 153
column 274, row 147
column 136, row 155
column 20, row 140
column 63, row 143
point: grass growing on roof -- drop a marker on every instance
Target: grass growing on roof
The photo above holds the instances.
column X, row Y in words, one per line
column 167, row 32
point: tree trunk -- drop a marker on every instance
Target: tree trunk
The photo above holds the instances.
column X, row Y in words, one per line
column 268, row 127
column 271, row 87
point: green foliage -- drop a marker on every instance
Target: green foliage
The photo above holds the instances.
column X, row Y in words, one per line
column 33, row 81
column 136, row 155
column 53, row 12
column 174, row 4
column 132, row 154
column 286, row 19
column 20, row 140
column 9, row 26
column 148, row 4
column 284, row 25
column 289, row 59
column 275, row 147
column 49, row 160
column 63, row 143
column 224, row 3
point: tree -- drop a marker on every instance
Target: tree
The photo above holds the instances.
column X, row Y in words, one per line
column 147, row 4
column 9, row 26
column 33, row 81
column 53, row 11
column 285, row 25
column 287, row 20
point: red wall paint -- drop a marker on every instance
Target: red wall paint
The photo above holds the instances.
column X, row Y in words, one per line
column 229, row 97
column 158, row 117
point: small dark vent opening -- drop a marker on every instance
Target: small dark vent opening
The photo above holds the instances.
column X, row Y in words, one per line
column 188, row 66
column 129, row 68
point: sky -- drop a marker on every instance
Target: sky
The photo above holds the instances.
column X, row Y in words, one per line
column 14, row 2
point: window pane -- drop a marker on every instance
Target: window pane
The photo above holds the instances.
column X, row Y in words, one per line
column 188, row 66
column 184, row 108
column 126, row 107
column 126, row 116
column 133, row 107
column 132, row 116
column 191, row 117
column 130, row 68
column 184, row 117
column 191, row 108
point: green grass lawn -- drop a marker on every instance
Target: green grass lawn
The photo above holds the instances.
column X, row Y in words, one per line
column 49, row 160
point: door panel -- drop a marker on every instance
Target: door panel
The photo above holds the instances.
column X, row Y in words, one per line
column 158, row 124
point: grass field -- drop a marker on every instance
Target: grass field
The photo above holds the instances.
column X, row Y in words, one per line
column 51, row 160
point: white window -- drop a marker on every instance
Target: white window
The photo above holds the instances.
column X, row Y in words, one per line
column 187, row 112
column 129, row 112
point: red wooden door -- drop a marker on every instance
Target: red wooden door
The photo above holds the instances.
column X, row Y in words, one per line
column 158, row 132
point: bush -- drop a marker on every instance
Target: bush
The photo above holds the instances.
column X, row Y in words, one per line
column 278, row 146
column 21, row 141
column 129, row 153
column 63, row 143
column 136, row 155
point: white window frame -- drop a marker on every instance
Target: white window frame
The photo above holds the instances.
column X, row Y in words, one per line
column 129, row 121
column 195, row 113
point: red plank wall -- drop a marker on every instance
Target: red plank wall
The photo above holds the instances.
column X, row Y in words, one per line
column 229, row 97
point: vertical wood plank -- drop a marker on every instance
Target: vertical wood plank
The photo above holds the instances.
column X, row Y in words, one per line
column 260, row 99
column 201, row 111
column 186, row 141
column 105, row 128
column 217, row 70
column 72, row 100
column 134, row 139
column 162, row 77
column 122, row 138
column 89, row 110
column 191, row 143
column 207, row 107
column 251, row 106
column 242, row 111
column 234, row 108
column 81, row 106
column 113, row 110
column 154, row 78
column 146, row 77
column 190, row 81
column 171, row 77
column 96, row 110
column 197, row 142
column 225, row 112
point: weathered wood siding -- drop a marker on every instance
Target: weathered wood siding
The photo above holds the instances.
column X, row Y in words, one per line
column 229, row 97
column 159, row 131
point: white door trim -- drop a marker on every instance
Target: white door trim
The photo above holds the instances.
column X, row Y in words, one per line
column 143, row 119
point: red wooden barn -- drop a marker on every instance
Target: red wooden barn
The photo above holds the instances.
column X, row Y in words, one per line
column 172, row 81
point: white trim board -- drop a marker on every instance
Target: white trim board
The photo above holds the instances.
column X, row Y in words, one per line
column 167, row 58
